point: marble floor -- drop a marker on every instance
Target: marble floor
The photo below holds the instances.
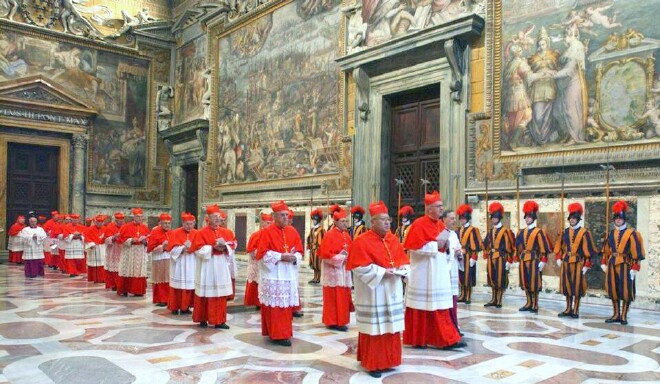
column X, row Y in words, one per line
column 66, row 330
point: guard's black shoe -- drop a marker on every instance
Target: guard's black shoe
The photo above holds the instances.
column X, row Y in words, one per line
column 222, row 326
column 298, row 314
column 284, row 343
column 375, row 374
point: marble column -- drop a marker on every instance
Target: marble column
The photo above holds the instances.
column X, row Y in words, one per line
column 79, row 142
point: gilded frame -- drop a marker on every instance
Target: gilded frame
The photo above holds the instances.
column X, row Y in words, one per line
column 218, row 30
column 493, row 104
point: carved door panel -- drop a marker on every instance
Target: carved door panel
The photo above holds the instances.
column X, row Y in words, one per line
column 32, row 180
column 415, row 147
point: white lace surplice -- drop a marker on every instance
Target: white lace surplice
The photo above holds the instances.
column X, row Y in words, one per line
column 278, row 285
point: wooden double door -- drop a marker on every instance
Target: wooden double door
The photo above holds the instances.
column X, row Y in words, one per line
column 415, row 147
column 32, row 180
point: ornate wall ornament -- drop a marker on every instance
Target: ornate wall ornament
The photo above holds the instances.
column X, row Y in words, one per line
column 80, row 140
column 42, row 13
column 562, row 81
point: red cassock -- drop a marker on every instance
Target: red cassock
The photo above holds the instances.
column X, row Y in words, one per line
column 74, row 266
column 111, row 275
column 211, row 309
column 133, row 284
column 276, row 322
column 252, row 285
column 427, row 327
column 160, row 268
column 15, row 256
column 95, row 235
column 337, row 301
column 180, row 299
column 378, row 352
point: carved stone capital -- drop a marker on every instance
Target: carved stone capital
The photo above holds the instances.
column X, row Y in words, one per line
column 80, row 141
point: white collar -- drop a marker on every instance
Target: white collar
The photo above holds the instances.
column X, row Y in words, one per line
column 499, row 225
column 356, row 223
column 623, row 227
column 316, row 225
column 532, row 226
column 405, row 221
column 578, row 225
column 467, row 224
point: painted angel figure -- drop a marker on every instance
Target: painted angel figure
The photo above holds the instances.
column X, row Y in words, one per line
column 597, row 18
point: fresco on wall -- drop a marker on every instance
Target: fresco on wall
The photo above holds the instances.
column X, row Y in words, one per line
column 380, row 21
column 277, row 96
column 190, row 81
column 117, row 85
column 578, row 74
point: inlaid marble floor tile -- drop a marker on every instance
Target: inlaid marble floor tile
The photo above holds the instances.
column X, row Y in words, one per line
column 66, row 330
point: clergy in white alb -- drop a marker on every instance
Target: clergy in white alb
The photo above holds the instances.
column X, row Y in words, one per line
column 182, row 266
column 33, row 238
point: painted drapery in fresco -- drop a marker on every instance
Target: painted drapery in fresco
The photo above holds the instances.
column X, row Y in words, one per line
column 190, row 81
column 118, row 87
column 578, row 74
column 278, row 88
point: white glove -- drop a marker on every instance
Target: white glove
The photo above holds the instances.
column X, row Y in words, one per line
column 633, row 273
column 603, row 267
column 516, row 264
column 473, row 262
column 584, row 270
column 507, row 266
column 541, row 265
column 559, row 263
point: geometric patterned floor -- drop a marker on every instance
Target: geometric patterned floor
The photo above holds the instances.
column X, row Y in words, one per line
column 65, row 330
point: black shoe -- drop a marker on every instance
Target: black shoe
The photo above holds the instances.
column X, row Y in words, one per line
column 222, row 326
column 124, row 294
column 461, row 333
column 176, row 312
column 468, row 302
column 419, row 346
column 138, row 295
column 186, row 312
column 341, row 328
column 624, row 322
column 375, row 374
column 203, row 324
column 498, row 305
column 524, row 309
column 491, row 304
column 298, row 314
column 161, row 305
column 613, row 320
column 284, row 343
column 114, row 289
column 575, row 315
column 258, row 308
column 311, row 282
column 565, row 314
column 534, row 310
column 460, row 344
column 72, row 275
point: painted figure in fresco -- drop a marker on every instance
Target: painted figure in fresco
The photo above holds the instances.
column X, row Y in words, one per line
column 597, row 18
column 652, row 114
column 516, row 104
column 623, row 251
column 77, row 70
column 133, row 150
column 10, row 64
column 570, row 107
column 543, row 89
